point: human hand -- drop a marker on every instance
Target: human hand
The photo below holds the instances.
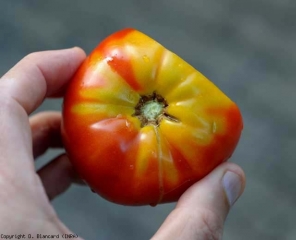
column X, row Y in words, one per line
column 201, row 211
column 25, row 194
column 199, row 214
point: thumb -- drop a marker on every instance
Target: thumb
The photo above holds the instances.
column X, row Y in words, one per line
column 201, row 211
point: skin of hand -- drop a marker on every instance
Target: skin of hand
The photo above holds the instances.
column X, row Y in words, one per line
column 25, row 194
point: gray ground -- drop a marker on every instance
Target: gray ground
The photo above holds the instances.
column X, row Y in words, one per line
column 247, row 48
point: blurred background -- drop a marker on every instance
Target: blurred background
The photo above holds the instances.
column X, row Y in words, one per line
column 247, row 48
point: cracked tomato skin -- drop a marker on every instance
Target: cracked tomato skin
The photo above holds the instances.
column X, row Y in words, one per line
column 130, row 162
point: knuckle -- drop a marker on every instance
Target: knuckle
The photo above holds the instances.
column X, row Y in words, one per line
column 32, row 60
column 9, row 109
column 211, row 225
column 6, row 103
column 31, row 56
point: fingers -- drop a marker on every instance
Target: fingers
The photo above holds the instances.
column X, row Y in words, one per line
column 201, row 211
column 45, row 127
column 57, row 176
column 22, row 90
column 40, row 75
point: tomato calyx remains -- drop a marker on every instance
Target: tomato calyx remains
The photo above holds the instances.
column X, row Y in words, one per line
column 151, row 109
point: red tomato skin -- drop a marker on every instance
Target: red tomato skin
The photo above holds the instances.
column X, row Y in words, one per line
column 105, row 149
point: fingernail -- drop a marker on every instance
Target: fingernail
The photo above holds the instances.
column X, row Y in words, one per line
column 232, row 186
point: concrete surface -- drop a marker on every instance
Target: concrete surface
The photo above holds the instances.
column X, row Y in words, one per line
column 247, row 48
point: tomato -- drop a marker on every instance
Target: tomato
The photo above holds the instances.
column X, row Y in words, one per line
column 141, row 125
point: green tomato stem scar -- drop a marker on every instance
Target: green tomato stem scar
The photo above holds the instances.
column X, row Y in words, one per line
column 151, row 109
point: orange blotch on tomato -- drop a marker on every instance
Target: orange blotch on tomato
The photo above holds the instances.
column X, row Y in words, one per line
column 115, row 146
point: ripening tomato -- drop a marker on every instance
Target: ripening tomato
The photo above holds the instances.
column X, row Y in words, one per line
column 141, row 125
